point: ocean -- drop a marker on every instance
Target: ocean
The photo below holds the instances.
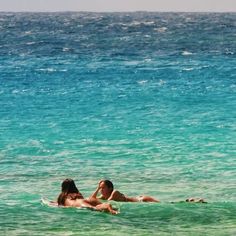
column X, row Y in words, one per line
column 144, row 99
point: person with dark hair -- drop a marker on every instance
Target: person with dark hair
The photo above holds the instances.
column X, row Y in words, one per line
column 68, row 190
column 71, row 197
column 106, row 188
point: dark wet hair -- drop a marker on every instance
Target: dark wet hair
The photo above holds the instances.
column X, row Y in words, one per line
column 68, row 189
column 109, row 184
column 68, row 186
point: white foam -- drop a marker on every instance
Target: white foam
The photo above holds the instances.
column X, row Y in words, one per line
column 142, row 81
column 188, row 69
column 30, row 43
column 186, row 53
column 217, row 154
column 66, row 49
column 161, row 82
column 33, row 142
column 161, row 29
column 28, row 32
column 46, row 69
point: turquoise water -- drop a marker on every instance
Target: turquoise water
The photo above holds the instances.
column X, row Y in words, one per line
column 144, row 99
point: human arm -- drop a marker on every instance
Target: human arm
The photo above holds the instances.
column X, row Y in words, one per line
column 84, row 203
column 103, row 207
column 94, row 194
column 107, row 208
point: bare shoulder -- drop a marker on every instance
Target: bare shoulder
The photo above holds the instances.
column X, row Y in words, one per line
column 117, row 196
column 116, row 192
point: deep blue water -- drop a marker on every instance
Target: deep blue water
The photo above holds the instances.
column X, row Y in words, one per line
column 144, row 99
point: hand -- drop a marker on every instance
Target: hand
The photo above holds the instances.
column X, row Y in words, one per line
column 99, row 184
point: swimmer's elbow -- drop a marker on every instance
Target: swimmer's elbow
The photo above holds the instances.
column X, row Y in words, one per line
column 110, row 198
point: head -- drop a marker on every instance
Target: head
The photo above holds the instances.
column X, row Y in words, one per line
column 68, row 189
column 68, row 186
column 106, row 188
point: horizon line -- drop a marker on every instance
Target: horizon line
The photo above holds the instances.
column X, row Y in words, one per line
column 132, row 11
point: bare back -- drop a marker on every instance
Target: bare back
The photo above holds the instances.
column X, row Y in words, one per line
column 120, row 197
